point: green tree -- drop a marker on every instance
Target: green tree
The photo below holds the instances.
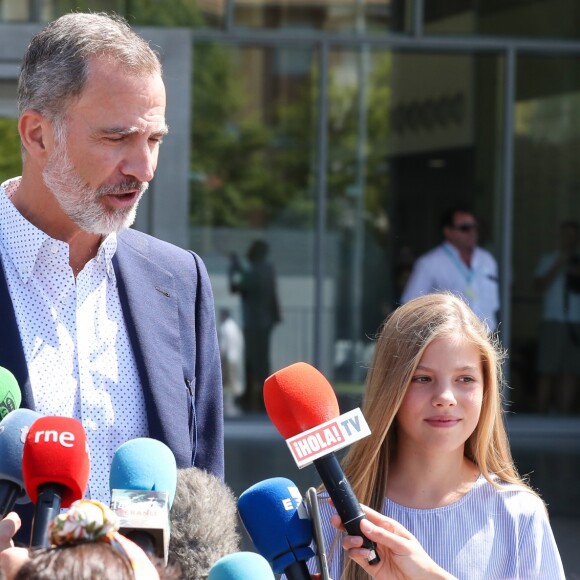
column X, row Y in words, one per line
column 10, row 157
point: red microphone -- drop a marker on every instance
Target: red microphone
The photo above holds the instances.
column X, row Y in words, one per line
column 299, row 398
column 55, row 470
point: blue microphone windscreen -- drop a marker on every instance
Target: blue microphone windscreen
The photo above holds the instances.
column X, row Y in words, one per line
column 10, row 395
column 277, row 521
column 144, row 464
column 241, row 566
column 13, row 430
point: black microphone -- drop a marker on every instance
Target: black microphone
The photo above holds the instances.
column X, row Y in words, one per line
column 299, row 398
column 204, row 522
column 311, row 499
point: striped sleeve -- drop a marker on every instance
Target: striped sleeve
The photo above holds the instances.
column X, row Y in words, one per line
column 489, row 534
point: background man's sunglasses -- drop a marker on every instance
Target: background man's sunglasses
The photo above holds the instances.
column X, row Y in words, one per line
column 465, row 227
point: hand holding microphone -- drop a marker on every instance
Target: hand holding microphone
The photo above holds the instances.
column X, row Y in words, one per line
column 403, row 555
column 9, row 525
column 299, row 398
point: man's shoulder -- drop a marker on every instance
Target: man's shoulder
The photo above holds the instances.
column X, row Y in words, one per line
column 485, row 254
column 142, row 242
column 133, row 245
column 154, row 249
column 432, row 255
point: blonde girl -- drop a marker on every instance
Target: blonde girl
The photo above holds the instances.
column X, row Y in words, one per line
column 438, row 464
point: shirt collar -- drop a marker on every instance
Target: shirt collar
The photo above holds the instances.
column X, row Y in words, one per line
column 14, row 227
column 451, row 248
column 106, row 252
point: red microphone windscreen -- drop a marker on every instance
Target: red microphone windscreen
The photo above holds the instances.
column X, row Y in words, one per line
column 56, row 451
column 297, row 398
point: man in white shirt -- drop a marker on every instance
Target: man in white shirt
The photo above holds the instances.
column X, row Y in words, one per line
column 557, row 276
column 460, row 266
column 231, row 341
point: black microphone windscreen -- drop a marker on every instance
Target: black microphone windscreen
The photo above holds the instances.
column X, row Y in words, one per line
column 204, row 522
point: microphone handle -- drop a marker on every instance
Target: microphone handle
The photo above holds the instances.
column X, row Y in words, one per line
column 143, row 539
column 46, row 509
column 297, row 571
column 9, row 493
column 344, row 499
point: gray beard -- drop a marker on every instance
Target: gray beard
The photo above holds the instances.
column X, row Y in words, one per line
column 81, row 203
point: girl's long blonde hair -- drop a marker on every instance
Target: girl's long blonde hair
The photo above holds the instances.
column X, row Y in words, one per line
column 402, row 340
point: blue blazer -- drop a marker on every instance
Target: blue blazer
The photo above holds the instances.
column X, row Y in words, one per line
column 168, row 306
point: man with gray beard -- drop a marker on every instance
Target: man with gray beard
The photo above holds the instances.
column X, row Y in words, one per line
column 101, row 322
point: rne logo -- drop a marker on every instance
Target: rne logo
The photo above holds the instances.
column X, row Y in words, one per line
column 66, row 438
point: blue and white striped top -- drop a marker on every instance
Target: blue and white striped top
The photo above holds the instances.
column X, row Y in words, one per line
column 488, row 534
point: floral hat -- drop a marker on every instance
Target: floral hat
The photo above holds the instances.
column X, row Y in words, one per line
column 89, row 520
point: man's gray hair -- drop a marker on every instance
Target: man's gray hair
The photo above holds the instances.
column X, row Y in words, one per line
column 55, row 67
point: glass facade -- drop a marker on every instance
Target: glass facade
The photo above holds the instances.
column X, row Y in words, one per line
column 391, row 145
column 516, row 18
column 546, row 212
column 331, row 15
column 253, row 177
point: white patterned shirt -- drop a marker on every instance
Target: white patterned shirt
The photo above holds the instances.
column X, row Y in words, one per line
column 488, row 534
column 77, row 350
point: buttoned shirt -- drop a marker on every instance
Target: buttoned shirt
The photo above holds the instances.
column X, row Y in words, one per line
column 75, row 340
column 442, row 269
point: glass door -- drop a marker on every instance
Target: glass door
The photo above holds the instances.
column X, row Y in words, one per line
column 410, row 134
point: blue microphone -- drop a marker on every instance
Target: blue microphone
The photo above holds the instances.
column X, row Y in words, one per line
column 144, row 464
column 241, row 566
column 277, row 521
column 142, row 480
column 13, row 431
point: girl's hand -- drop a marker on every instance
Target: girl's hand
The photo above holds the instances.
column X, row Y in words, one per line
column 9, row 525
column 402, row 556
column 11, row 560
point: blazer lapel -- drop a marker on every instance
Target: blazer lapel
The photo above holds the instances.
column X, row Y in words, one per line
column 150, row 307
column 11, row 349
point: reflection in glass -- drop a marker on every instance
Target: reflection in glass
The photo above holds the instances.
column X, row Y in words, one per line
column 530, row 19
column 253, row 180
column 332, row 15
column 409, row 135
column 52, row 9
column 546, row 305
column 182, row 13
column 14, row 11
column 252, row 160
column 359, row 198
